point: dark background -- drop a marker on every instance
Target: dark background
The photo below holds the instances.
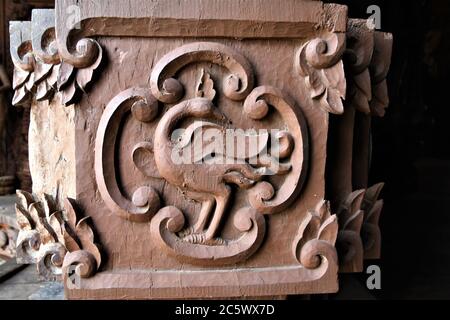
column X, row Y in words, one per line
column 411, row 150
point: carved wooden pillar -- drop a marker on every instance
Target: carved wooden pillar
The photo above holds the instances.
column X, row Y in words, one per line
column 195, row 139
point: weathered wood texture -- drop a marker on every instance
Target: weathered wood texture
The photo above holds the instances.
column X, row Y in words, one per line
column 133, row 73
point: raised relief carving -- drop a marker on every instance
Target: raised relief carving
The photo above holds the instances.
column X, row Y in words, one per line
column 210, row 172
column 319, row 62
column 379, row 69
column 40, row 69
column 349, row 243
column 145, row 201
column 314, row 244
column 370, row 232
column 54, row 240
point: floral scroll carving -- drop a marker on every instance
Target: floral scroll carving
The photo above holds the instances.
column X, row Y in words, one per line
column 54, row 240
column 40, row 69
column 316, row 238
column 319, row 62
column 211, row 185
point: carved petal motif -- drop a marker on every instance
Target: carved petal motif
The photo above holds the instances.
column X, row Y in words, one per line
column 316, row 237
column 46, row 236
column 39, row 69
column 319, row 62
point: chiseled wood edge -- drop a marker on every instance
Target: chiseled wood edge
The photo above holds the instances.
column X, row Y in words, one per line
column 76, row 21
column 228, row 283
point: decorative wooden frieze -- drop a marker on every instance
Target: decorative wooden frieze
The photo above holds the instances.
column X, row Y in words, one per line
column 54, row 240
column 40, row 71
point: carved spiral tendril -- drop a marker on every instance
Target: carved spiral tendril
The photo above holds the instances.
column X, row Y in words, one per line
column 314, row 251
column 236, row 85
column 82, row 261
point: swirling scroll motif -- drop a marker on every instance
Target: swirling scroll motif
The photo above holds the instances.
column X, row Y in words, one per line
column 170, row 220
column 145, row 201
column 236, row 85
column 316, row 238
column 51, row 239
column 262, row 196
column 40, row 69
column 319, row 62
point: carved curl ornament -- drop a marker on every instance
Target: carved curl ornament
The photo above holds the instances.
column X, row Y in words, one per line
column 40, row 70
column 54, row 240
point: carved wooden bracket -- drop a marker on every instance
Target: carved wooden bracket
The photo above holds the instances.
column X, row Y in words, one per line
column 40, row 70
column 56, row 241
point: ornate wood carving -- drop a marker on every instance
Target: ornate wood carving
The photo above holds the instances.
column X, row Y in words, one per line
column 210, row 185
column 54, row 240
column 195, row 219
column 40, row 70
column 319, row 61
column 314, row 243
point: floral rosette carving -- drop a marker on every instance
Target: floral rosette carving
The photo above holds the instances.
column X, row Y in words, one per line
column 40, row 71
column 54, row 240
column 316, row 237
column 349, row 243
column 319, row 62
